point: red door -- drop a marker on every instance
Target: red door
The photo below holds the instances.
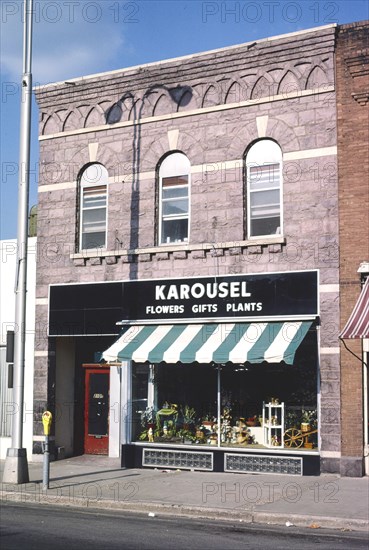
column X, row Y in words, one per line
column 97, row 411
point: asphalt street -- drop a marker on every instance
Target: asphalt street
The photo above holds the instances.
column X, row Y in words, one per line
column 34, row 527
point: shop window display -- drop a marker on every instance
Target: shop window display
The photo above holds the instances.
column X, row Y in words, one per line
column 223, row 405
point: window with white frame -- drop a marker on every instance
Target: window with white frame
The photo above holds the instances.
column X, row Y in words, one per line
column 93, row 207
column 174, row 207
column 264, row 189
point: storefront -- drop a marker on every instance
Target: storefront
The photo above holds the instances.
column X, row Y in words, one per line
column 220, row 373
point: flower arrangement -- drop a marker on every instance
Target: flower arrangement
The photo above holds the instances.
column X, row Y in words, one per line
column 148, row 416
column 309, row 417
column 226, row 415
column 189, row 415
column 208, row 419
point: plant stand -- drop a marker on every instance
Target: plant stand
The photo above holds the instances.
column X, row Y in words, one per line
column 273, row 424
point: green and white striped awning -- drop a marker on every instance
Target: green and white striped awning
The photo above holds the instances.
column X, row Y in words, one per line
column 207, row 343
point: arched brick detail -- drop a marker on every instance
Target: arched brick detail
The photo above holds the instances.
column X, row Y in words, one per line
column 96, row 116
column 317, row 77
column 278, row 130
column 127, row 103
column 83, row 110
column 283, row 134
column 198, row 91
column 289, row 83
column 237, row 91
column 263, row 87
column 157, row 149
column 105, row 156
column 152, row 152
column 251, row 135
column 164, row 105
column 53, row 125
column 72, row 121
column 145, row 104
column 211, row 96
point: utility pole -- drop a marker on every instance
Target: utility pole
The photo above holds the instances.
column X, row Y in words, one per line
column 16, row 465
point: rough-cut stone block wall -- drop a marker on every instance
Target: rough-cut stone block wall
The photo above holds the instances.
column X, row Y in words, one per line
column 281, row 89
column 353, row 171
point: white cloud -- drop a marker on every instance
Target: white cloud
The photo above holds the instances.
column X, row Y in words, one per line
column 70, row 39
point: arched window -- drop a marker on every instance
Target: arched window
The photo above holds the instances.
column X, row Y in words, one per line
column 93, row 207
column 174, row 185
column 264, row 189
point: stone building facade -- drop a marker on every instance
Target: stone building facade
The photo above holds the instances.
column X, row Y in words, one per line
column 352, row 79
column 212, row 108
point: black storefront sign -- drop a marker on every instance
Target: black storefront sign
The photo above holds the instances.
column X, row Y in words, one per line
column 94, row 309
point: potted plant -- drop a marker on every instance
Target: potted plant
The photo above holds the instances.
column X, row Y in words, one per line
column 208, row 420
column 189, row 415
column 200, row 434
column 308, row 420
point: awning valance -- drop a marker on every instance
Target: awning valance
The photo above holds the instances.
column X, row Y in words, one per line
column 207, row 343
column 358, row 324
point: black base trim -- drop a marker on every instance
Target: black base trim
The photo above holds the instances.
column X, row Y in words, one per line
column 132, row 457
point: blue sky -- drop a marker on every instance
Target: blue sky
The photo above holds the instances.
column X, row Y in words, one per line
column 78, row 37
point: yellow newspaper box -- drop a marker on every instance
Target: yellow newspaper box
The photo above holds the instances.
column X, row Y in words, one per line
column 46, row 420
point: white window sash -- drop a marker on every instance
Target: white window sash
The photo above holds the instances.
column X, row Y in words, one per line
column 163, row 200
column 93, row 226
column 272, row 209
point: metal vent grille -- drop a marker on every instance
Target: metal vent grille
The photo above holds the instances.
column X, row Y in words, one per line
column 263, row 464
column 178, row 459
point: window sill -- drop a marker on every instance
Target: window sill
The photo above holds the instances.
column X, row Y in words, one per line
column 179, row 251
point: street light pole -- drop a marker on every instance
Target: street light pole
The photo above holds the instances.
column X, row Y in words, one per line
column 16, row 465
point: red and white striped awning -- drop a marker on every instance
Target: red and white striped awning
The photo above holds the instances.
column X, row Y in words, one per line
column 358, row 324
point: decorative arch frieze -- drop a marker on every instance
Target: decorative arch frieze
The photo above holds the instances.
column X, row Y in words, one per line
column 96, row 115
column 294, row 76
column 146, row 102
column 289, row 83
column 72, row 121
column 237, row 91
column 198, row 91
column 51, row 125
column 54, row 122
column 316, row 78
column 164, row 105
column 211, row 96
column 131, row 108
column 263, row 87
column 187, row 101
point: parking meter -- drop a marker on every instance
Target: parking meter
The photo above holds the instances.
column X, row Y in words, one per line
column 47, row 418
column 46, row 421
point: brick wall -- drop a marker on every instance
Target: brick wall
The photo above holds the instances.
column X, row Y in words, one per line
column 352, row 78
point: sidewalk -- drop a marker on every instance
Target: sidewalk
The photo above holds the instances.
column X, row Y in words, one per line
column 327, row 501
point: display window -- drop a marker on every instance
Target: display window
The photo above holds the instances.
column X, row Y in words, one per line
column 257, row 406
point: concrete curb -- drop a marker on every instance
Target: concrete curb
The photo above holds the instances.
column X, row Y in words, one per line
column 196, row 512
